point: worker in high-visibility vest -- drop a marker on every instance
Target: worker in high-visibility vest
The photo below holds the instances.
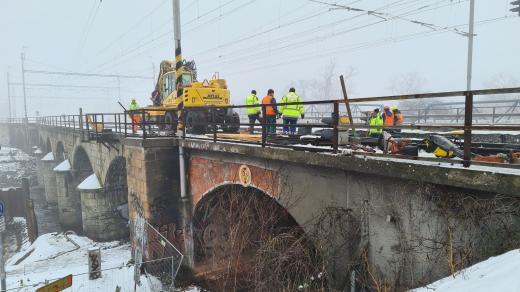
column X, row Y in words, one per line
column 291, row 112
column 134, row 115
column 375, row 121
column 271, row 111
column 253, row 112
column 388, row 118
column 399, row 118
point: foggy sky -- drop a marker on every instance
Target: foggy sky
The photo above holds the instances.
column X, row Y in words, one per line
column 256, row 44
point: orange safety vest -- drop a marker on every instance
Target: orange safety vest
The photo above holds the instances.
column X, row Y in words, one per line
column 400, row 119
column 389, row 119
column 269, row 110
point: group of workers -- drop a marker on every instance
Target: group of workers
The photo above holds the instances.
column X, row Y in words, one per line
column 288, row 110
column 390, row 117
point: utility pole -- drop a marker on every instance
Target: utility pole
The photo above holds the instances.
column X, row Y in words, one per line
column 23, row 86
column 26, row 119
column 9, row 95
column 470, row 43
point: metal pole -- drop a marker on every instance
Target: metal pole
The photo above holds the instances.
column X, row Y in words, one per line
column 25, row 102
column 468, row 122
column 9, row 95
column 2, row 267
column 470, row 43
column 23, row 86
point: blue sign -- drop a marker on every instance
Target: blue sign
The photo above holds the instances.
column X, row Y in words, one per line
column 1, row 209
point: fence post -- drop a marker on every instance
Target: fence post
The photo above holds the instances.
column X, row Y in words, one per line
column 335, row 137
column 126, row 126
column 493, row 117
column 143, row 123
column 262, row 123
column 468, row 122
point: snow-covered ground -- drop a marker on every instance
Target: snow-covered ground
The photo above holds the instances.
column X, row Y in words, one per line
column 14, row 165
column 52, row 256
column 500, row 273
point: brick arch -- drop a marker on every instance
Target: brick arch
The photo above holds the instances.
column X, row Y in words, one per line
column 217, row 173
column 233, row 215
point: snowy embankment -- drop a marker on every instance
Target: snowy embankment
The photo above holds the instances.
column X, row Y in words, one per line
column 53, row 256
column 15, row 165
column 500, row 273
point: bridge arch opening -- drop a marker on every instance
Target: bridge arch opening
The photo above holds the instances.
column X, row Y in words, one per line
column 81, row 164
column 60, row 152
column 254, row 237
column 48, row 146
column 40, row 144
column 116, row 195
column 19, row 139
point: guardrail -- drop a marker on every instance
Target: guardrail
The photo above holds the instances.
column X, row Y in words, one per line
column 150, row 123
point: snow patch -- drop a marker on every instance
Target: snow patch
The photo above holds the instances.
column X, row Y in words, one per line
column 48, row 157
column 38, row 151
column 90, row 183
column 63, row 167
column 498, row 273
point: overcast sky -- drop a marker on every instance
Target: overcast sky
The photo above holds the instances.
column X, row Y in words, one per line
column 256, row 44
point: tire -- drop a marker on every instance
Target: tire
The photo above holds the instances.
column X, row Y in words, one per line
column 170, row 121
column 196, row 123
column 231, row 123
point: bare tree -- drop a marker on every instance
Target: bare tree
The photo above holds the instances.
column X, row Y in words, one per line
column 409, row 83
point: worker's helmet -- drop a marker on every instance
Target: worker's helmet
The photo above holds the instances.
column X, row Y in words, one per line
column 376, row 110
column 133, row 99
column 386, row 108
column 394, row 108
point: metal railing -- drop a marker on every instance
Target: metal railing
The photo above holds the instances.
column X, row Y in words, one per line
column 150, row 123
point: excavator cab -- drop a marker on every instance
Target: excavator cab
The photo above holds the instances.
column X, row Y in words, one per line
column 170, row 83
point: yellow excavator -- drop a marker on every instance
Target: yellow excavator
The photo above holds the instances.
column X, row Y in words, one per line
column 178, row 88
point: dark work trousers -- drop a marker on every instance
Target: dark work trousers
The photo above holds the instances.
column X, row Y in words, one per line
column 271, row 121
column 287, row 121
column 252, row 121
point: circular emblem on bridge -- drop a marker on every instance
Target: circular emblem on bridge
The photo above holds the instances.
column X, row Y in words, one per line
column 244, row 174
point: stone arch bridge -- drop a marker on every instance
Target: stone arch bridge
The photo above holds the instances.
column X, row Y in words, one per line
column 391, row 218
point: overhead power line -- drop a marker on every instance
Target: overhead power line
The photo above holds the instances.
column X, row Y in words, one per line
column 387, row 16
column 256, row 54
column 61, row 86
column 86, row 74
column 367, row 45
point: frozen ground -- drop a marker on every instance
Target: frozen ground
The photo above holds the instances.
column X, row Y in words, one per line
column 15, row 165
column 500, row 273
column 52, row 256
